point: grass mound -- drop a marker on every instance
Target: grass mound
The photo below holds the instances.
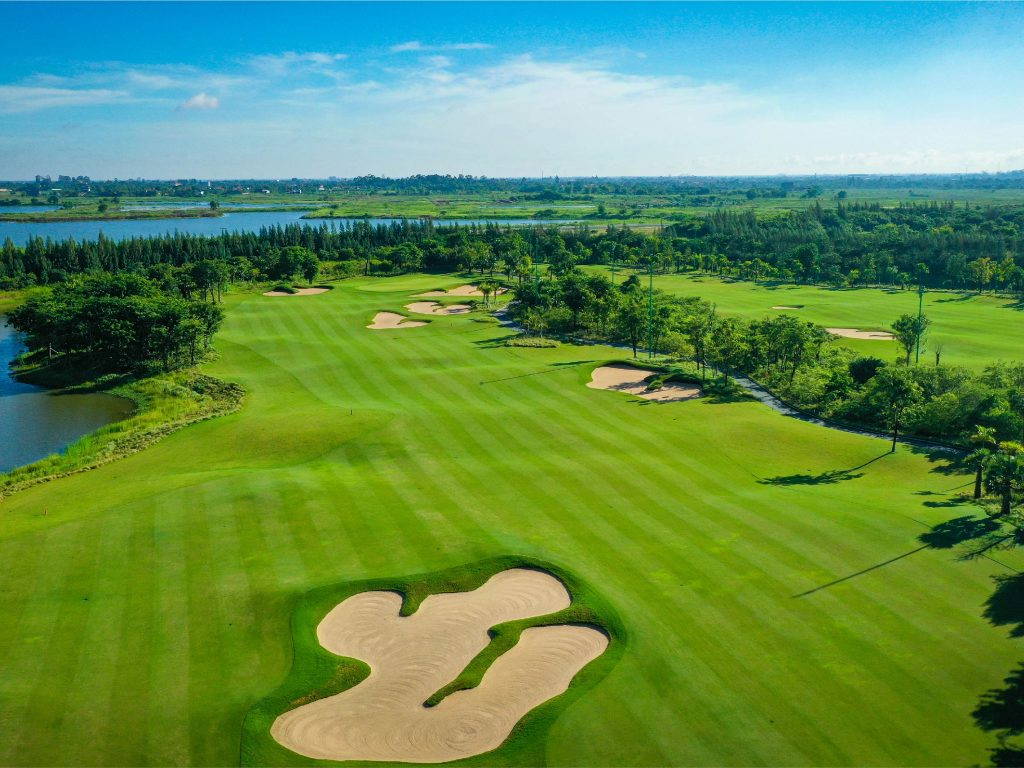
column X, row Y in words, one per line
column 316, row 673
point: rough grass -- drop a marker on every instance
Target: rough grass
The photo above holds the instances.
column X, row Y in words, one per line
column 316, row 673
column 973, row 330
column 163, row 404
column 780, row 608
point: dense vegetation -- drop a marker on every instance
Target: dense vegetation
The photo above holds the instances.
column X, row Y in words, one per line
column 943, row 245
column 116, row 323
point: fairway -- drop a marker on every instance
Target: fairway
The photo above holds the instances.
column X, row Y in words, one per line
column 974, row 330
column 778, row 605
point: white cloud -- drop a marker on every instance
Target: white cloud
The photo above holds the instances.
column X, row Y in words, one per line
column 201, row 101
column 281, row 64
column 27, row 98
column 416, row 45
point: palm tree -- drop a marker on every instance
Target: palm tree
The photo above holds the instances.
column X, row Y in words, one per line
column 985, row 440
column 1005, row 474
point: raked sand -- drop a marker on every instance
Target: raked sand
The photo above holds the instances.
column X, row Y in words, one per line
column 298, row 292
column 853, row 333
column 383, row 321
column 410, row 658
column 626, row 378
column 462, row 290
column 433, row 308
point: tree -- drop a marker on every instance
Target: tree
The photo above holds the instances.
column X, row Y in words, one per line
column 487, row 288
column 630, row 320
column 1005, row 474
column 984, row 438
column 894, row 390
column 909, row 330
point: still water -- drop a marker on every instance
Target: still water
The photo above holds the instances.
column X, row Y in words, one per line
column 20, row 231
column 34, row 422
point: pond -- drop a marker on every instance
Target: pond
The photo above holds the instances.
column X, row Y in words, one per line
column 251, row 221
column 35, row 422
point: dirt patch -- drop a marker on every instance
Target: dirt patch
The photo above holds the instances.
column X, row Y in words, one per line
column 626, row 378
column 298, row 292
column 433, row 308
column 383, row 321
column 462, row 290
column 853, row 333
column 383, row 717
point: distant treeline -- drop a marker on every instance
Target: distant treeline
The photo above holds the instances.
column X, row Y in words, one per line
column 939, row 245
column 427, row 184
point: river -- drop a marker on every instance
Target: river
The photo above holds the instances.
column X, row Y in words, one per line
column 35, row 422
column 19, row 232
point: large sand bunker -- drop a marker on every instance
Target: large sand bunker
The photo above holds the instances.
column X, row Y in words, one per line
column 626, row 378
column 853, row 333
column 463, row 290
column 298, row 292
column 410, row 658
column 383, row 321
column 433, row 308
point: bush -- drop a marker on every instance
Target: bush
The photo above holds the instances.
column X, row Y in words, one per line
column 531, row 341
column 282, row 288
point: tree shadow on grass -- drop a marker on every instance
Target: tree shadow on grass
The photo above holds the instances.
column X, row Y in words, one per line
column 822, row 478
column 1005, row 608
column 1001, row 710
column 956, row 531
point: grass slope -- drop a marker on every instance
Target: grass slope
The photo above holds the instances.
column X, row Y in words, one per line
column 973, row 329
column 147, row 602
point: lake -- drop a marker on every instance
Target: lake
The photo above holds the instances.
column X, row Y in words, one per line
column 34, row 422
column 122, row 229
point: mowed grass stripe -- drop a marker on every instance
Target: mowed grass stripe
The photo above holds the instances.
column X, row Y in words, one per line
column 658, row 506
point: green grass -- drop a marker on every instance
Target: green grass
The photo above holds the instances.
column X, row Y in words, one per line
column 147, row 603
column 973, row 329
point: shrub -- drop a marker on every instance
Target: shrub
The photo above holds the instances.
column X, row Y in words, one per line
column 530, row 341
column 282, row 288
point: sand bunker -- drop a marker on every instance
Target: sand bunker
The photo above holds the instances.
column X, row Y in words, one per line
column 433, row 308
column 787, row 306
column 463, row 290
column 410, row 658
column 385, row 320
column 298, row 292
column 626, row 378
column 853, row 333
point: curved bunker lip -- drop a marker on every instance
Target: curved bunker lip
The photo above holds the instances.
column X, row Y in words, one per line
column 412, row 657
column 433, row 308
column 853, row 333
column 383, row 321
column 633, row 381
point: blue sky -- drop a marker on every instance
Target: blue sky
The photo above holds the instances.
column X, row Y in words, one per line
column 271, row 90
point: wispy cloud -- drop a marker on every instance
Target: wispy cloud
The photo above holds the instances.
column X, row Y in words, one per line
column 417, row 46
column 201, row 101
column 27, row 98
column 280, row 64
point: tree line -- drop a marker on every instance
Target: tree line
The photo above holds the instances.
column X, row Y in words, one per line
column 938, row 245
column 796, row 359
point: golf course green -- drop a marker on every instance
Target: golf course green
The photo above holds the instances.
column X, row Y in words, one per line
column 970, row 329
column 778, row 606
